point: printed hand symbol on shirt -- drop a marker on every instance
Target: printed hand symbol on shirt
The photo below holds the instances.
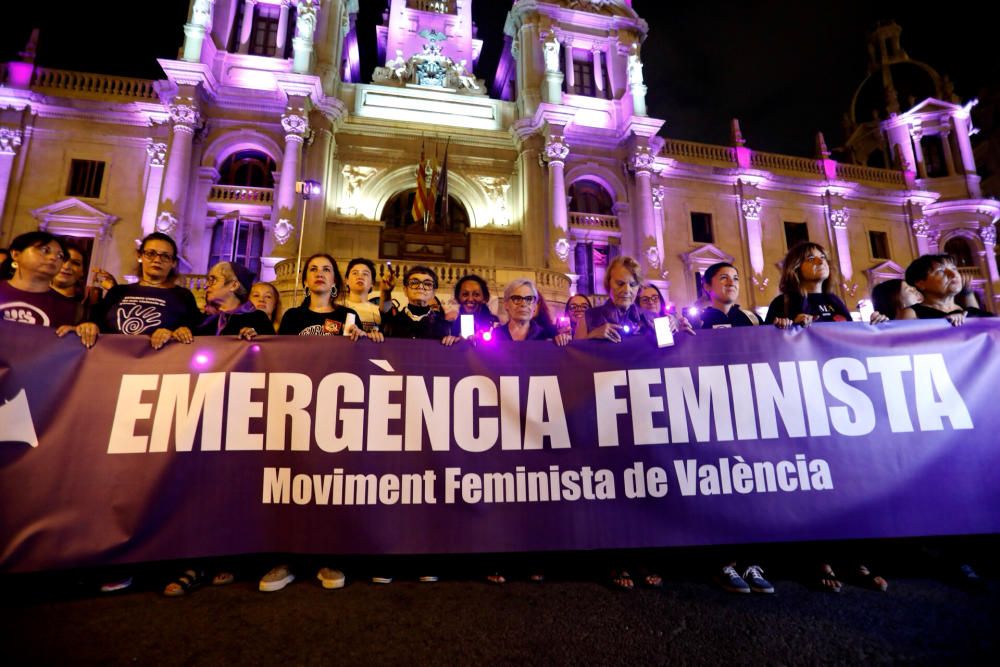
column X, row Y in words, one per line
column 136, row 319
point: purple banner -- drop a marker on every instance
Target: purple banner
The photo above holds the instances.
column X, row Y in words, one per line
column 122, row 454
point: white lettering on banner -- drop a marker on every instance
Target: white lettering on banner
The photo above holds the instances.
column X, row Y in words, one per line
column 346, row 412
column 803, row 399
column 724, row 478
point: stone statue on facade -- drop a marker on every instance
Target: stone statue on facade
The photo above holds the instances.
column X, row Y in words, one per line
column 550, row 50
column 634, row 66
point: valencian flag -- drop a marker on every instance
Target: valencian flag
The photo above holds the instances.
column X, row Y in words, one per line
column 423, row 195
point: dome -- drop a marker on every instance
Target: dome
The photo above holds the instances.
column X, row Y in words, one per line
column 911, row 83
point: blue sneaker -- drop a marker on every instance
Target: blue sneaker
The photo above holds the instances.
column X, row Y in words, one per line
column 731, row 581
column 755, row 577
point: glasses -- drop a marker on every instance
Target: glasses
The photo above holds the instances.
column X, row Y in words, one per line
column 420, row 284
column 49, row 250
column 519, row 300
column 648, row 300
column 577, row 307
column 211, row 280
column 152, row 254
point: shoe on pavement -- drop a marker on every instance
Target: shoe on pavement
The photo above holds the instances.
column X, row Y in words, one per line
column 276, row 579
column 331, row 578
column 116, row 585
column 754, row 576
column 381, row 580
column 427, row 579
column 731, row 581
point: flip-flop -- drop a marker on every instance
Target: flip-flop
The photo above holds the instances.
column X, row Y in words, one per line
column 622, row 580
column 824, row 575
column 223, row 579
column 867, row 579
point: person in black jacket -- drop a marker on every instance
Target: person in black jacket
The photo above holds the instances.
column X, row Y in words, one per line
column 417, row 319
column 228, row 310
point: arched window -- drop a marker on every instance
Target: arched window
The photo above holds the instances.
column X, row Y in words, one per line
column 443, row 240
column 397, row 213
column 959, row 248
column 590, row 197
column 248, row 169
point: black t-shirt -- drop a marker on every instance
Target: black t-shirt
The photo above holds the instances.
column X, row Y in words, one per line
column 48, row 309
column 535, row 332
column 141, row 309
column 713, row 318
column 300, row 321
column 417, row 322
column 823, row 307
column 483, row 318
column 927, row 313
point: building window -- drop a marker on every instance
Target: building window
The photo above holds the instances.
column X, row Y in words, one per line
column 237, row 240
column 590, row 261
column 264, row 34
column 795, row 233
column 584, row 81
column 701, row 228
column 590, row 197
column 960, row 251
column 879, row 242
column 85, row 178
column 252, row 169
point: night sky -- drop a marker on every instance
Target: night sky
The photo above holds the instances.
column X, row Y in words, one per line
column 785, row 69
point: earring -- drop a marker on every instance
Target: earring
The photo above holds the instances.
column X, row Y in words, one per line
column 333, row 292
column 13, row 265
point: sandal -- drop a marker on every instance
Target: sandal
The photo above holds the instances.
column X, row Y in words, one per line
column 496, row 578
column 652, row 580
column 622, row 580
column 866, row 579
column 188, row 581
column 826, row 580
column 223, row 579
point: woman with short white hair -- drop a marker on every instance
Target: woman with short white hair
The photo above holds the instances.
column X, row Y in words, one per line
column 520, row 300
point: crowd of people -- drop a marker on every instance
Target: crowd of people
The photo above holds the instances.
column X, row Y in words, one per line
column 42, row 282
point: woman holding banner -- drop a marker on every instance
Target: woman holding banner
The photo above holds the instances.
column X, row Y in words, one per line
column 27, row 297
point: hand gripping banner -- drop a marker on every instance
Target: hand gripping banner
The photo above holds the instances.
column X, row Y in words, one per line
column 121, row 453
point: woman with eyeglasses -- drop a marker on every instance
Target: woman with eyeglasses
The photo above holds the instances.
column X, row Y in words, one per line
column 155, row 306
column 520, row 301
column 417, row 319
column 620, row 316
column 576, row 307
column 27, row 297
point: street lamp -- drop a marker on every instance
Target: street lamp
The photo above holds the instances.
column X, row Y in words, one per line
column 307, row 190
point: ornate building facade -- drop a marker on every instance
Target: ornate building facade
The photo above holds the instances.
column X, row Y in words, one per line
column 553, row 170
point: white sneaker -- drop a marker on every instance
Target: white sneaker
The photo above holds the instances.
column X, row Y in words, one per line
column 381, row 580
column 428, row 579
column 331, row 578
column 276, row 579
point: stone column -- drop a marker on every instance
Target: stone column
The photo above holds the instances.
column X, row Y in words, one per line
column 302, row 43
column 157, row 154
column 750, row 208
column 570, row 74
column 246, row 27
column 10, row 141
column 838, row 220
column 279, row 40
column 922, row 232
column 949, row 160
column 658, row 263
column 918, row 151
column 960, row 126
column 635, row 83
column 598, row 71
column 556, row 151
column 196, row 28
column 186, row 120
column 532, row 205
column 641, row 163
column 285, row 220
column 988, row 233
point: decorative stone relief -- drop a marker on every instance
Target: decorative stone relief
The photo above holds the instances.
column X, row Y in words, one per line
column 556, row 149
column 294, row 122
column 184, row 113
column 642, row 160
column 634, row 66
column 496, row 192
column 157, row 153
column 751, row 208
column 920, row 227
column 659, row 192
column 839, row 218
column 283, row 231
column 10, row 140
column 166, row 222
column 201, row 13
column 653, row 257
column 988, row 233
column 550, row 51
column 562, row 249
column 305, row 21
column 760, row 282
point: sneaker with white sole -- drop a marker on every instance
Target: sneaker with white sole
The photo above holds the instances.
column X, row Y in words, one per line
column 754, row 576
column 731, row 581
column 276, row 579
column 116, row 585
column 331, row 578
column 427, row 579
column 381, row 580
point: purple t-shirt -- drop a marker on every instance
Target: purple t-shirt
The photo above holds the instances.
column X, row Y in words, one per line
column 49, row 309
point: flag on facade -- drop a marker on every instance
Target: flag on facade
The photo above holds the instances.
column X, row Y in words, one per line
column 422, row 195
column 441, row 191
